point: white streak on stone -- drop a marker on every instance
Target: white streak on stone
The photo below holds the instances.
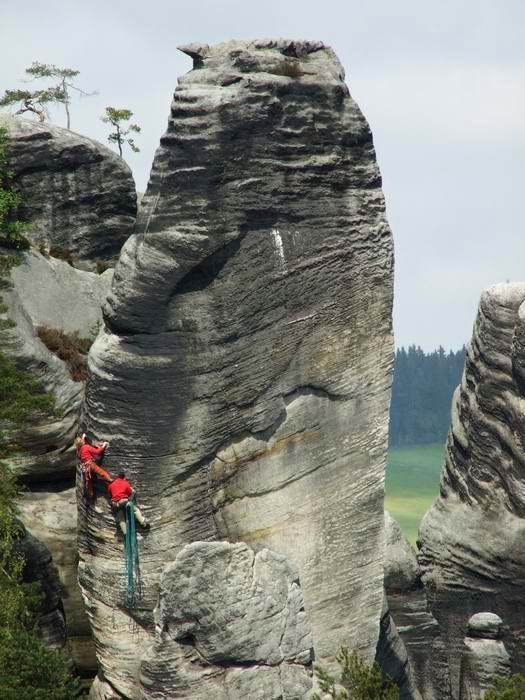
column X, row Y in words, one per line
column 278, row 244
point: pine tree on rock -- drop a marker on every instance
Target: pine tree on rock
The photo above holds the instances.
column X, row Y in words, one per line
column 36, row 101
column 117, row 117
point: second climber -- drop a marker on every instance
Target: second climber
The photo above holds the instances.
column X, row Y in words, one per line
column 121, row 493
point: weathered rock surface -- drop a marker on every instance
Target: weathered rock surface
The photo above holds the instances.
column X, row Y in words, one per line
column 77, row 194
column 484, row 657
column 229, row 623
column 472, row 544
column 392, row 657
column 39, row 568
column 50, row 292
column 244, row 375
column 51, row 516
column 417, row 627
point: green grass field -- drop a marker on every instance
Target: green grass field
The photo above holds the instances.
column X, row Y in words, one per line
column 412, row 483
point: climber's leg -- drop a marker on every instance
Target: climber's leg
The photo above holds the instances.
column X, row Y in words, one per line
column 119, row 509
column 140, row 518
column 87, row 477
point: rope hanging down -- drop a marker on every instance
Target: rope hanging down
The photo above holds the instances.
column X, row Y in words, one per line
column 132, row 557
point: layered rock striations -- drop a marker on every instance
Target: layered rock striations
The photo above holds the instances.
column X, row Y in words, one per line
column 472, row 546
column 244, row 373
column 78, row 195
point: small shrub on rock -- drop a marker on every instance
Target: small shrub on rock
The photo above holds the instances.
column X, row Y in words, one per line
column 101, row 265
column 62, row 254
column 357, row 680
column 69, row 347
column 512, row 688
column 289, row 68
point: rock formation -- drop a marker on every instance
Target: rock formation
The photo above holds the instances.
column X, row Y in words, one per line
column 49, row 292
column 78, row 199
column 229, row 623
column 39, row 568
column 50, row 512
column 78, row 195
column 484, row 658
column 392, row 657
column 408, row 606
column 472, row 545
column 244, row 372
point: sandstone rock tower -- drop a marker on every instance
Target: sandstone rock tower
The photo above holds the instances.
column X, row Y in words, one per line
column 243, row 378
column 472, row 539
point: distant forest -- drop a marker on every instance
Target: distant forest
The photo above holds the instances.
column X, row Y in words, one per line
column 422, row 394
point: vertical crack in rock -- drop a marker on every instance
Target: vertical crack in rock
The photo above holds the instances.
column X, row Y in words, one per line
column 248, row 348
column 418, row 629
column 472, row 548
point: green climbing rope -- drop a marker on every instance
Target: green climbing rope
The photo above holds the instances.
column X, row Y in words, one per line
column 132, row 557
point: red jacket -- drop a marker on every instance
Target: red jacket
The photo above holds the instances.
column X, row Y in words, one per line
column 88, row 452
column 119, row 489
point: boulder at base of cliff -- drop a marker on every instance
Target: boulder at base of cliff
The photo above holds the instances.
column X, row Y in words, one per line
column 229, row 624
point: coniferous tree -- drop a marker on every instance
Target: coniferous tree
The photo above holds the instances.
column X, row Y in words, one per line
column 422, row 394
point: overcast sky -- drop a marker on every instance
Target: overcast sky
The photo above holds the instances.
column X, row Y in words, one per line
column 442, row 84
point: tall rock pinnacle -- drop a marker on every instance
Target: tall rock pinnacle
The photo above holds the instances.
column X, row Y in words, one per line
column 243, row 378
column 472, row 546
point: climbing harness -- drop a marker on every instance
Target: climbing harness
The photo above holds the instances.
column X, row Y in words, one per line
column 132, row 556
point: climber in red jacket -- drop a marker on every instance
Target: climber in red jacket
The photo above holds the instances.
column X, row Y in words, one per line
column 121, row 492
column 87, row 454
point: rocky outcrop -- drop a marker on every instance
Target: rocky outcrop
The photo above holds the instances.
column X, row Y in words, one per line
column 484, row 657
column 244, row 373
column 417, row 627
column 51, row 516
column 392, row 657
column 229, row 623
column 39, row 568
column 48, row 292
column 472, row 546
column 78, row 196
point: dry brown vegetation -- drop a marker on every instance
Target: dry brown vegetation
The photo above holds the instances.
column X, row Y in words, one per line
column 290, row 68
column 69, row 347
column 62, row 254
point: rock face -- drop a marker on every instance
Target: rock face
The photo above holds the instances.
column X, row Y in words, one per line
column 417, row 627
column 392, row 657
column 484, row 658
column 51, row 516
column 472, row 545
column 77, row 194
column 230, row 623
column 244, row 374
column 49, row 292
column 39, row 568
